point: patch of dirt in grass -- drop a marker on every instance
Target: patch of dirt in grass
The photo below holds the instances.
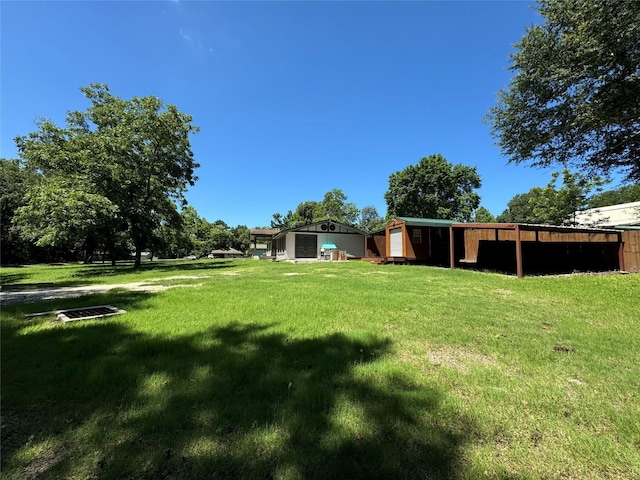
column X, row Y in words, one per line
column 47, row 458
column 55, row 293
column 379, row 272
column 452, row 357
column 460, row 358
column 503, row 293
column 292, row 274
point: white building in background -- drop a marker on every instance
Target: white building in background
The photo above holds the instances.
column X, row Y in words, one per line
column 611, row 216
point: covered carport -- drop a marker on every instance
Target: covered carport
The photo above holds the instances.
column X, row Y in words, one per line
column 535, row 249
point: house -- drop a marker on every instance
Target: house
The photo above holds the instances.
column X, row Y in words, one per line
column 323, row 240
column 627, row 214
column 261, row 250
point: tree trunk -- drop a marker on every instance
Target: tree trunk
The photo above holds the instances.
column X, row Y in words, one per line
column 138, row 263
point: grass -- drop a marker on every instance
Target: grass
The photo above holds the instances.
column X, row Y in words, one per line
column 337, row 370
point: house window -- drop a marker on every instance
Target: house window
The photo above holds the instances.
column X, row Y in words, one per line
column 416, row 236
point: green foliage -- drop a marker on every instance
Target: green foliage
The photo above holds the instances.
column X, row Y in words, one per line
column 434, row 188
column 15, row 180
column 624, row 194
column 130, row 159
column 483, row 215
column 334, row 205
column 575, row 95
column 552, row 205
column 370, row 221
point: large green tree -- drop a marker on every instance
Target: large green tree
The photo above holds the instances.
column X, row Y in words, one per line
column 15, row 181
column 333, row 205
column 132, row 156
column 575, row 96
column 370, row 221
column 434, row 188
column 623, row 194
column 566, row 193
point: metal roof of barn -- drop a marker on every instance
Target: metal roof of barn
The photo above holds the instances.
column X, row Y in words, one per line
column 426, row 222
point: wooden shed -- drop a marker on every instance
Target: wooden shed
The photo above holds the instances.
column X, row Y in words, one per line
column 409, row 239
column 631, row 249
column 537, row 249
column 517, row 248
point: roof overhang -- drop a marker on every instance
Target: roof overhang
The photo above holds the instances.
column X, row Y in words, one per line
column 324, row 226
column 425, row 222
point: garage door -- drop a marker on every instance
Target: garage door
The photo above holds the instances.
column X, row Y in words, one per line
column 395, row 236
column 306, row 246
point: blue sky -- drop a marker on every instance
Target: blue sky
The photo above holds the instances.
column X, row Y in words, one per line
column 293, row 99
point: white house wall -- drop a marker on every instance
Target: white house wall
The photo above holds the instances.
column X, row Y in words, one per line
column 350, row 243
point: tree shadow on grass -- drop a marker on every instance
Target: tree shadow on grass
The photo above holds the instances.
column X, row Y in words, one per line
column 239, row 401
column 102, row 270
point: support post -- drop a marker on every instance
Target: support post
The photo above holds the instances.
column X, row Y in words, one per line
column 519, row 270
column 621, row 253
column 452, row 257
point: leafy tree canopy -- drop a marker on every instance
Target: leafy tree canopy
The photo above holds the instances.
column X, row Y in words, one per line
column 553, row 204
column 370, row 221
column 434, row 188
column 129, row 160
column 575, row 96
column 483, row 215
column 333, row 205
column 624, row 194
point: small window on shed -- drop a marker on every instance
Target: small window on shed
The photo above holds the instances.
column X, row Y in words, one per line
column 416, row 236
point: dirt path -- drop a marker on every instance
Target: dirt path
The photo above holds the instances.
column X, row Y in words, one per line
column 35, row 295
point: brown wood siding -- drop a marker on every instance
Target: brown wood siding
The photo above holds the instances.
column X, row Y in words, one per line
column 376, row 246
column 631, row 252
column 420, row 251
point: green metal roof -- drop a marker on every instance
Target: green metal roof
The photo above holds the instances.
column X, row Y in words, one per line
column 627, row 227
column 426, row 222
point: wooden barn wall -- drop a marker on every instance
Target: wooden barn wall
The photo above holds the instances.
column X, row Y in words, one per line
column 376, row 246
column 631, row 239
column 420, row 251
column 543, row 251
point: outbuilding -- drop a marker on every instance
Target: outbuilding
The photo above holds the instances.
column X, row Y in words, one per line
column 322, row 240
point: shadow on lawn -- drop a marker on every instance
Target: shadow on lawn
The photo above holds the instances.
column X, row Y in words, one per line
column 101, row 270
column 240, row 401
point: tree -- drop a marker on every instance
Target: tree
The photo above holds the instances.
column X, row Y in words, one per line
column 434, row 188
column 334, row 205
column 552, row 205
column 521, row 208
column 135, row 154
column 15, row 180
column 624, row 194
column 370, row 221
column 482, row 215
column 575, row 96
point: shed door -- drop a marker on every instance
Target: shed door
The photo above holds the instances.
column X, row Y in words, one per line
column 395, row 236
column 306, row 246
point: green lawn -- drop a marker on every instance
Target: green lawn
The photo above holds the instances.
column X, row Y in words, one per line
column 264, row 370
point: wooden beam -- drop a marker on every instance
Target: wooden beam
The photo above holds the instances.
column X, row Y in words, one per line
column 452, row 257
column 621, row 253
column 519, row 270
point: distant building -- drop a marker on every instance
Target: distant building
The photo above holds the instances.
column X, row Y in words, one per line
column 611, row 216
